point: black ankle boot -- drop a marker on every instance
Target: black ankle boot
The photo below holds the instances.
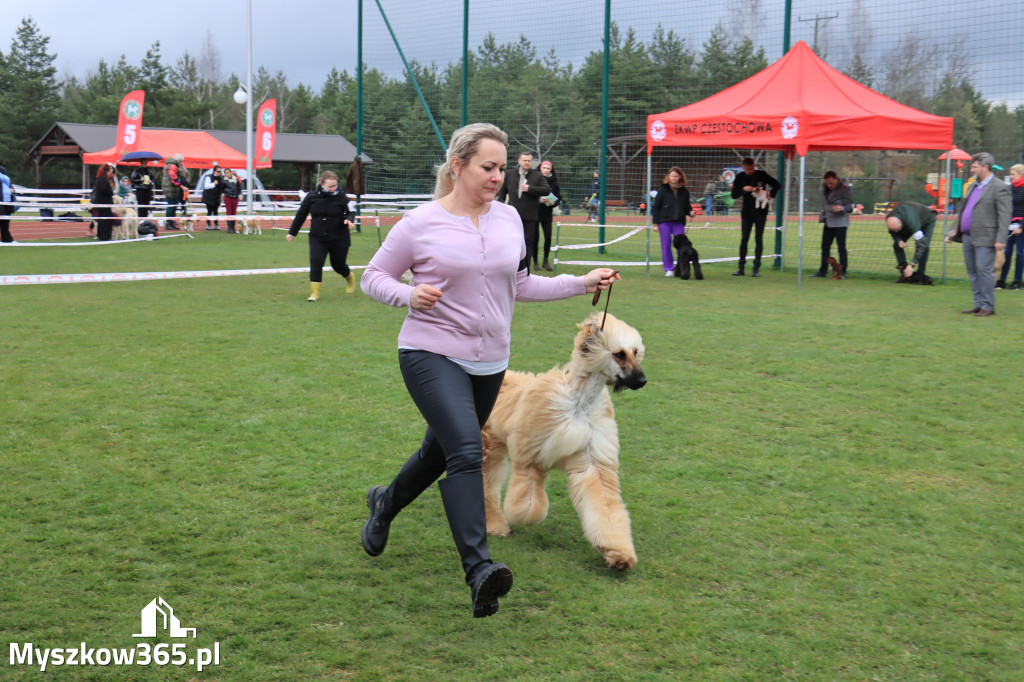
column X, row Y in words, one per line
column 819, row 273
column 739, row 273
column 463, row 498
column 756, row 272
column 375, row 530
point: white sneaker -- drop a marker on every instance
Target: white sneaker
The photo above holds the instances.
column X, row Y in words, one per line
column 669, row 273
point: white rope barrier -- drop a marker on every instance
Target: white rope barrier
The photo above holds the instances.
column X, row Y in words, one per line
column 86, row 278
column 142, row 238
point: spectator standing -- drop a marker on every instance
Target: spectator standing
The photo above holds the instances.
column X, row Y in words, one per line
column 523, row 187
column 669, row 211
column 330, row 228
column 211, row 187
column 142, row 183
column 593, row 201
column 546, row 210
column 1015, row 240
column 911, row 220
column 470, row 269
column 102, row 198
column 709, row 196
column 982, row 226
column 232, row 190
column 750, row 215
column 836, row 206
column 171, row 185
column 6, row 196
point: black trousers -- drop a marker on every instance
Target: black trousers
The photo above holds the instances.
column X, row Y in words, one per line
column 530, row 233
column 5, row 224
column 545, row 226
column 212, row 207
column 455, row 405
column 321, row 246
column 143, row 196
column 828, row 235
column 756, row 219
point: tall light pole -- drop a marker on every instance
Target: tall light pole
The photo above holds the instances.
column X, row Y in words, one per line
column 242, row 97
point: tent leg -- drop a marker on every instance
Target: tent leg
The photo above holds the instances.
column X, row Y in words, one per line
column 800, row 248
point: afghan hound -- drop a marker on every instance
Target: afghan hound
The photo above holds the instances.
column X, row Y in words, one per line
column 564, row 419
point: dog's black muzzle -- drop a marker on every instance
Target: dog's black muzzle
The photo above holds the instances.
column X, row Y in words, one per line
column 632, row 381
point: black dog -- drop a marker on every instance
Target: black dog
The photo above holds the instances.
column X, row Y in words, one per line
column 687, row 255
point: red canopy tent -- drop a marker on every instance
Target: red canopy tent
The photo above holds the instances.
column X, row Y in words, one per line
column 197, row 147
column 796, row 105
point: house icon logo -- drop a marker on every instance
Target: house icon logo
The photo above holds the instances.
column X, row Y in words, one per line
column 166, row 619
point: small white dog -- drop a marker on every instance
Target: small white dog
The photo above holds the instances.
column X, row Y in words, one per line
column 761, row 198
column 251, row 226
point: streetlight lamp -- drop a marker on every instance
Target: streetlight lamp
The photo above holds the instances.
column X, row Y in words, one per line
column 241, row 96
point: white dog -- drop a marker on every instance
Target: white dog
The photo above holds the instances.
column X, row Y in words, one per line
column 564, row 419
column 129, row 219
column 761, row 198
column 251, row 226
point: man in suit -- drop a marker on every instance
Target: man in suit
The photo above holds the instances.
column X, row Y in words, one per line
column 524, row 186
column 982, row 226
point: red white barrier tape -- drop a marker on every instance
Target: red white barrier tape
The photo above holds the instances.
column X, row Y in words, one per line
column 594, row 246
column 633, row 262
column 139, row 276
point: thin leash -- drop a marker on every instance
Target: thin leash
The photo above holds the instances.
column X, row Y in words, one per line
column 608, row 298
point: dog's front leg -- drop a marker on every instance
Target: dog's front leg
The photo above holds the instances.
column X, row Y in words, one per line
column 697, row 272
column 595, row 494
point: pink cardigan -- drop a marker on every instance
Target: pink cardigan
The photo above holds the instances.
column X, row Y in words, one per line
column 478, row 271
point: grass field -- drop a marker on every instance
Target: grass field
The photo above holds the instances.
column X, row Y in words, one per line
column 824, row 483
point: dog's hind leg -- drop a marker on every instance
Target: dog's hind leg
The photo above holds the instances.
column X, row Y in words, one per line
column 495, row 473
column 595, row 494
column 526, row 501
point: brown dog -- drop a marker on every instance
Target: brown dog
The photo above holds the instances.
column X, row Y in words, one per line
column 837, row 269
column 564, row 419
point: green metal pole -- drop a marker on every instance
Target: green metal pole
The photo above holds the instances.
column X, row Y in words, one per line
column 359, row 107
column 412, row 77
column 465, row 61
column 604, row 121
column 781, row 172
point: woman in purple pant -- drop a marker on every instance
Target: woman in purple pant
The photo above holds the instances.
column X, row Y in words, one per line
column 669, row 211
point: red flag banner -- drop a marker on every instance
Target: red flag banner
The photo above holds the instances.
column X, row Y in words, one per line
column 266, row 135
column 129, row 121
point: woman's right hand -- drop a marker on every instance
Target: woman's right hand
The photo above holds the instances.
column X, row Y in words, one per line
column 289, row 237
column 424, row 296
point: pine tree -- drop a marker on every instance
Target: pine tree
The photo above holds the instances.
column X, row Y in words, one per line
column 30, row 96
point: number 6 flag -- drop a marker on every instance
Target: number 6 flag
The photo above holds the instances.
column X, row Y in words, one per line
column 129, row 121
column 265, row 134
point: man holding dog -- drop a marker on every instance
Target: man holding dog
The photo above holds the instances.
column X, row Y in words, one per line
column 524, row 186
column 743, row 186
column 982, row 227
column 911, row 220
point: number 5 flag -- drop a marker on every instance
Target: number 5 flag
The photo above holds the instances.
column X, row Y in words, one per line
column 129, row 121
column 266, row 135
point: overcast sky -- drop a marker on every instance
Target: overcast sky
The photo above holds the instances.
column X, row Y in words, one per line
column 305, row 43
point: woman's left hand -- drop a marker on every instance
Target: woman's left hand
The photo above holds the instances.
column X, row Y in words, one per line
column 601, row 278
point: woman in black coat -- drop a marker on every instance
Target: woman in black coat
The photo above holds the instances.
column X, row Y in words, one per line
column 669, row 211
column 546, row 210
column 102, row 197
column 328, row 232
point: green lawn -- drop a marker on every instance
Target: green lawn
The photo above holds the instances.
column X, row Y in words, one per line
column 825, row 483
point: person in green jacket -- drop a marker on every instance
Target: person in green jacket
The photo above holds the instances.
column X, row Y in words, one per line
column 911, row 220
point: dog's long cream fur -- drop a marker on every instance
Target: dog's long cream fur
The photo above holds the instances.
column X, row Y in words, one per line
column 564, row 419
